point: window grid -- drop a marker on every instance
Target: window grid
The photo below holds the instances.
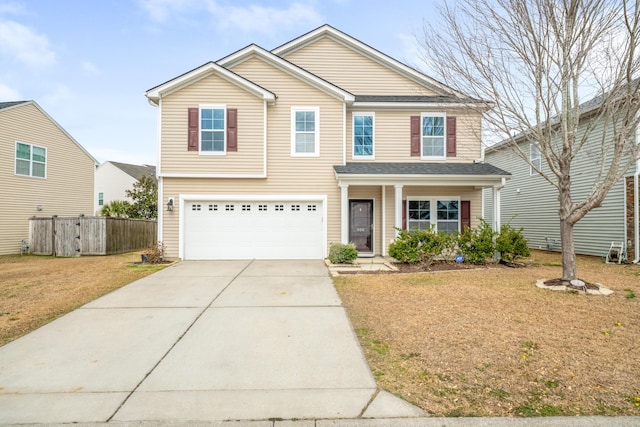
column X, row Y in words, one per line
column 31, row 160
column 419, row 214
column 212, row 130
column 363, row 135
column 304, row 131
column 433, row 141
column 448, row 214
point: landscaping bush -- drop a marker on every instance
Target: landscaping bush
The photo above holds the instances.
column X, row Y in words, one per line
column 340, row 253
column 511, row 243
column 418, row 246
column 476, row 244
column 154, row 253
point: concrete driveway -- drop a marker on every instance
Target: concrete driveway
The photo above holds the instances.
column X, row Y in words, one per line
column 198, row 341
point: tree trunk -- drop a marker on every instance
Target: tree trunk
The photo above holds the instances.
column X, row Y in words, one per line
column 569, row 271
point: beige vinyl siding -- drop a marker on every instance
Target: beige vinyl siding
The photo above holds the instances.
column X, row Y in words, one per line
column 535, row 206
column 212, row 90
column 67, row 189
column 353, row 71
column 393, row 135
column 286, row 175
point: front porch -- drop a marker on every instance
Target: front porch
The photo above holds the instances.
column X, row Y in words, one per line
column 379, row 198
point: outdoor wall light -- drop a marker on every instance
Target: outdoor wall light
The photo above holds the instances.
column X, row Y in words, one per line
column 39, row 208
column 170, row 204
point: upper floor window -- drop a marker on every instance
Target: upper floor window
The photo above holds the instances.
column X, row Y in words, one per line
column 31, row 160
column 535, row 159
column 212, row 129
column 100, row 199
column 363, row 125
column 305, row 138
column 433, row 136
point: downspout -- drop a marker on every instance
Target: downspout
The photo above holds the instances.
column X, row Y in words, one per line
column 636, row 212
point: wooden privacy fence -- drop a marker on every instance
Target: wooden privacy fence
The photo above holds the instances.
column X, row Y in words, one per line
column 89, row 235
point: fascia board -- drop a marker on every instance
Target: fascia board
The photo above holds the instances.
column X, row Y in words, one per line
column 205, row 71
column 439, row 180
column 484, row 106
column 286, row 66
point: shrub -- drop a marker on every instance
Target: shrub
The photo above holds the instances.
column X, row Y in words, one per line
column 417, row 246
column 476, row 244
column 340, row 253
column 511, row 243
column 154, row 253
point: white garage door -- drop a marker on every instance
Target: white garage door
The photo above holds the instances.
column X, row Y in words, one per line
column 253, row 230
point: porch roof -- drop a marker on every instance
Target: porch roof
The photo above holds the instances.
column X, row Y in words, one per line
column 423, row 173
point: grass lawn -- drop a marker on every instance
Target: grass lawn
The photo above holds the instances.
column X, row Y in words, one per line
column 488, row 342
column 34, row 290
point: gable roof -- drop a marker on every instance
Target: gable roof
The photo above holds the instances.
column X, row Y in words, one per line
column 136, row 171
column 210, row 68
column 4, row 106
column 368, row 51
column 254, row 50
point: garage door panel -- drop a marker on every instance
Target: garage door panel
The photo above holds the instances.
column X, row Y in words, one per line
column 247, row 230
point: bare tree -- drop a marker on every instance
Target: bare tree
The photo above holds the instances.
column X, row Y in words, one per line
column 537, row 61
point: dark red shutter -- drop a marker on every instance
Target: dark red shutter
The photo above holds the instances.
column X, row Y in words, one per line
column 193, row 129
column 451, row 136
column 415, row 136
column 232, row 129
column 465, row 214
column 404, row 214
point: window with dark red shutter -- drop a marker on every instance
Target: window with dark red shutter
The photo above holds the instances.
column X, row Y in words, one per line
column 232, row 129
column 415, row 136
column 451, row 136
column 192, row 139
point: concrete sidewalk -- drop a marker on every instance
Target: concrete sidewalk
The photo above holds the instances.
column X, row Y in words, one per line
column 198, row 342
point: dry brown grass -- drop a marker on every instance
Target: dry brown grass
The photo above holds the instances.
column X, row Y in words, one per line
column 37, row 289
column 488, row 342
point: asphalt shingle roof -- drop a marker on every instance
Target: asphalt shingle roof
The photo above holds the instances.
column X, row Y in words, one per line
column 4, row 105
column 137, row 171
column 472, row 169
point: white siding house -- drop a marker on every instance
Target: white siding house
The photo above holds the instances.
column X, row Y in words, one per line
column 114, row 178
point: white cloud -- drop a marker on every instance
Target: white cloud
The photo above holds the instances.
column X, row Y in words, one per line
column 11, row 8
column 9, row 94
column 266, row 20
column 160, row 10
column 25, row 45
column 90, row 67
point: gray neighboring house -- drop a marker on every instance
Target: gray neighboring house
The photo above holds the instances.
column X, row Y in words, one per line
column 530, row 202
column 114, row 178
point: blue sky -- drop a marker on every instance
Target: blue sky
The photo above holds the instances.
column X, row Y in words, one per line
column 89, row 62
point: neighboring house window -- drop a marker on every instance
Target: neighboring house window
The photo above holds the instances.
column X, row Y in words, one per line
column 31, row 160
column 363, row 125
column 212, row 129
column 535, row 159
column 305, row 131
column 433, row 136
column 100, row 199
column 419, row 214
column 446, row 219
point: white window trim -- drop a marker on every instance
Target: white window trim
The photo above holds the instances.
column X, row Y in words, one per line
column 224, row 130
column 316, row 152
column 532, row 171
column 444, row 136
column 15, row 160
column 353, row 136
column 433, row 206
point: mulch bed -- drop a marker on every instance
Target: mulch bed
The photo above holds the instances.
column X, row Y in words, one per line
column 567, row 283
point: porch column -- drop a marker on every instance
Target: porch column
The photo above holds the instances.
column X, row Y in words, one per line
column 398, row 206
column 496, row 207
column 344, row 213
column 383, row 220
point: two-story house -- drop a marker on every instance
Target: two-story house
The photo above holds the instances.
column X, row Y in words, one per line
column 43, row 172
column 277, row 154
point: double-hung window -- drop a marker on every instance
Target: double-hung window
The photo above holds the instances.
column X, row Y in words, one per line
column 31, row 160
column 100, row 199
column 443, row 215
column 305, row 131
column 433, row 133
column 363, row 130
column 535, row 159
column 212, row 129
